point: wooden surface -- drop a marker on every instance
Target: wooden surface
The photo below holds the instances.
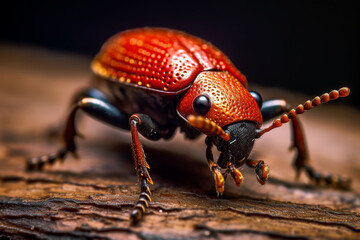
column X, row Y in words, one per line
column 91, row 197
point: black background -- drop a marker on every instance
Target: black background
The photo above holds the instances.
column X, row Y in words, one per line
column 307, row 46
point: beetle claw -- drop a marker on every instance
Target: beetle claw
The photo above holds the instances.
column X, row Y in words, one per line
column 219, row 183
column 218, row 178
column 144, row 174
column 235, row 173
column 148, row 178
column 262, row 172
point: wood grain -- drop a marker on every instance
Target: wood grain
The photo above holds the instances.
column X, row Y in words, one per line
column 91, row 197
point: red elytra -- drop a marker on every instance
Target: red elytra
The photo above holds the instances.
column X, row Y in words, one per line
column 170, row 62
column 159, row 59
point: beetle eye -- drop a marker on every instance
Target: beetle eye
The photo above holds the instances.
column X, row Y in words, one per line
column 202, row 104
column 257, row 97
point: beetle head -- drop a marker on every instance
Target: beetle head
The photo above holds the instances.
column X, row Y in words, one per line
column 217, row 99
column 242, row 139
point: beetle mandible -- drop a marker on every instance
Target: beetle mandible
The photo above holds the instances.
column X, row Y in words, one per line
column 161, row 80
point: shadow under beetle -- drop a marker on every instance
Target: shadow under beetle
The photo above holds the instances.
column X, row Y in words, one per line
column 160, row 80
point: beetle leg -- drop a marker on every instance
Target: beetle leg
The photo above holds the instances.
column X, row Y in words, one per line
column 301, row 161
column 261, row 170
column 138, row 151
column 142, row 123
column 273, row 108
column 298, row 144
column 95, row 105
column 235, row 173
column 214, row 168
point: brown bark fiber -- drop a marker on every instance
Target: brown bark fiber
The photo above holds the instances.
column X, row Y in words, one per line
column 91, row 197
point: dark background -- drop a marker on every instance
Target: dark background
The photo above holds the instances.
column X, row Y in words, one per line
column 307, row 46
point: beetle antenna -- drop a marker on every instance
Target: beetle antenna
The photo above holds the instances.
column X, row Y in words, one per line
column 324, row 98
column 207, row 126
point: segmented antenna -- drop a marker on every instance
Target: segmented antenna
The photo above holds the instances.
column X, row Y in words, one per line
column 326, row 97
column 210, row 127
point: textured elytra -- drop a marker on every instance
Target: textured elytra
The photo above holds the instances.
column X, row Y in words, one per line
column 231, row 101
column 159, row 59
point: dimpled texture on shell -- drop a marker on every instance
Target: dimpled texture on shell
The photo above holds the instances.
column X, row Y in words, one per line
column 159, row 59
column 231, row 101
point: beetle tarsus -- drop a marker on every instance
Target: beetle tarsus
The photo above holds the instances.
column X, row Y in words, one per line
column 326, row 179
column 38, row 163
column 142, row 204
column 261, row 169
column 219, row 179
column 135, row 216
column 214, row 168
column 235, row 174
column 262, row 172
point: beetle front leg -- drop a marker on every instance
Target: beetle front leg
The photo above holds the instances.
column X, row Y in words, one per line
column 143, row 124
column 214, row 168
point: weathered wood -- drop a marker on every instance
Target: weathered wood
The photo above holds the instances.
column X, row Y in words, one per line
column 91, row 197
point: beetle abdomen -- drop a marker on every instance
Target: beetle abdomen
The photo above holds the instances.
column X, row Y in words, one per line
column 159, row 59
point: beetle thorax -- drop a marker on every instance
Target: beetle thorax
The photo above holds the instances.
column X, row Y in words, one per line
column 230, row 100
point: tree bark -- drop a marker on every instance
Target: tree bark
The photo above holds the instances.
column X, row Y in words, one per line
column 91, row 197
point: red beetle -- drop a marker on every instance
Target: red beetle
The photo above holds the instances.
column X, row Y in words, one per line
column 161, row 79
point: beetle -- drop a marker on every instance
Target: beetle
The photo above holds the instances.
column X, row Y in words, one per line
column 160, row 80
